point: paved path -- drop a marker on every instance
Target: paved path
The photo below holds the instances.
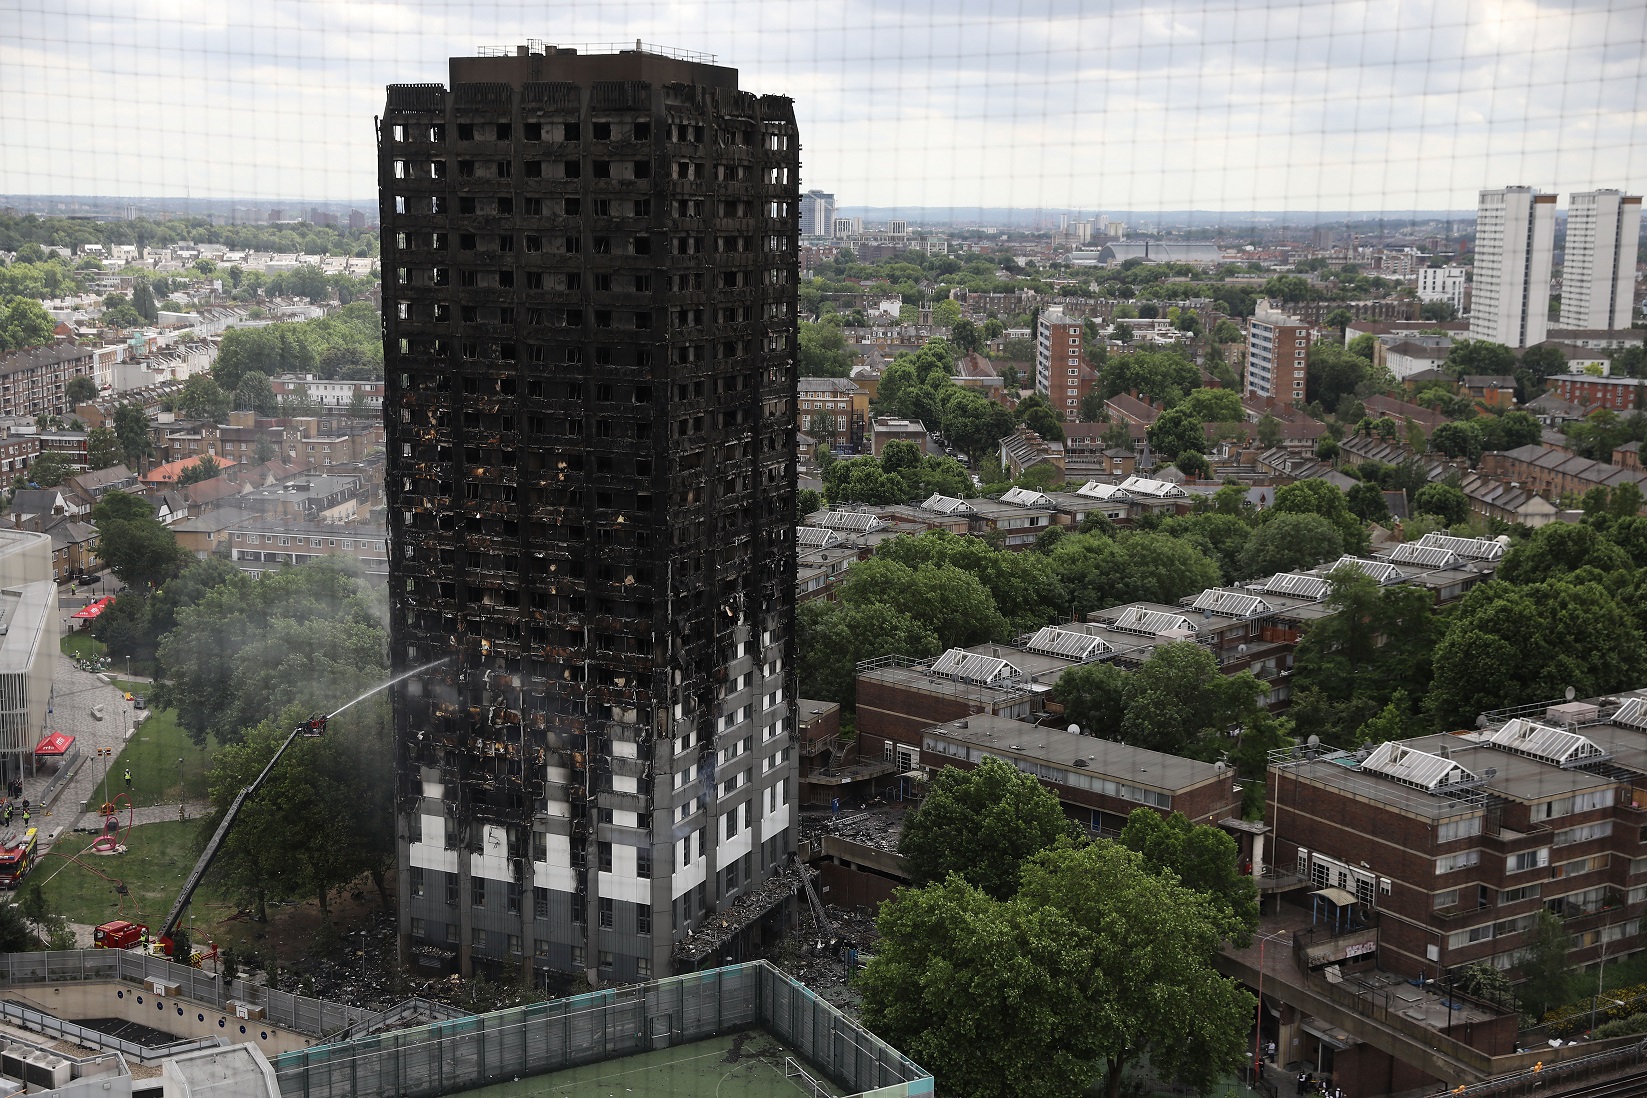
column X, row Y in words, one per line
column 74, row 694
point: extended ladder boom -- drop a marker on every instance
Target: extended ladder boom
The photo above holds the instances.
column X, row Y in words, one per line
column 215, row 844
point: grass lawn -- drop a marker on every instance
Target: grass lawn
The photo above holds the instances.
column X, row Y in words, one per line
column 80, row 646
column 152, row 755
column 157, row 861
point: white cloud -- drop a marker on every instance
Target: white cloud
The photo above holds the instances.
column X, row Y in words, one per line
column 1211, row 104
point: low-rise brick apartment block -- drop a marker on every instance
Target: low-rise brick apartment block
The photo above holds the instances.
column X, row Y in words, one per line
column 1457, row 841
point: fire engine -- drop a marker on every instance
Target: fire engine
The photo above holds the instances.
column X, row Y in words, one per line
column 119, row 935
column 17, row 854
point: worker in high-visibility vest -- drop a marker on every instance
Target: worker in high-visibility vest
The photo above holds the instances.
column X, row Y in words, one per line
column 128, row 777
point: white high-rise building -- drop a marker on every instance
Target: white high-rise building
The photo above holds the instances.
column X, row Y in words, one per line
column 1442, row 284
column 1514, row 245
column 1599, row 273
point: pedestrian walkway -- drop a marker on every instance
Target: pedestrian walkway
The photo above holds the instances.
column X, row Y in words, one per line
column 75, row 693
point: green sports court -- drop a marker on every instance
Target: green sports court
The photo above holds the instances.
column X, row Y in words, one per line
column 750, row 1064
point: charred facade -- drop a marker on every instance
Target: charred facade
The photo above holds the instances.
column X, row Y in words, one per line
column 589, row 342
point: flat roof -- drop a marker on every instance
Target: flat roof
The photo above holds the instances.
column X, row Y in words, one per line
column 1104, row 758
column 1516, row 777
column 24, row 611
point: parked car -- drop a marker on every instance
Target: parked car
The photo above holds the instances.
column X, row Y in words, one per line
column 138, row 702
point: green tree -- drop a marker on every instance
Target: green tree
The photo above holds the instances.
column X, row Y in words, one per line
column 1443, row 500
column 1150, row 943
column 1175, row 430
column 34, row 906
column 323, row 818
column 832, row 638
column 305, row 635
column 49, row 470
column 1098, row 571
column 1269, row 432
column 1179, row 701
column 80, row 390
column 203, row 398
column 981, row 825
column 131, row 424
column 102, row 448
column 1486, row 982
column 1096, row 964
column 204, row 469
column 964, row 334
column 974, row 423
column 1017, row 979
column 1340, row 318
column 1162, row 376
column 133, row 543
column 1035, row 413
column 1373, row 648
column 14, row 929
column 1290, row 541
column 1214, row 405
column 1458, row 440
column 1332, row 373
column 951, row 602
column 1193, row 463
column 254, row 393
column 1221, row 534
column 143, row 301
column 1519, row 429
column 1479, row 356
column 25, row 323
column 1203, row 858
column 1094, row 696
column 1318, row 497
column 1366, row 502
column 1437, row 310
column 126, row 626
column 1509, row 644
column 1092, row 407
column 1546, row 975
column 823, row 351
column 1541, row 361
column 1023, row 586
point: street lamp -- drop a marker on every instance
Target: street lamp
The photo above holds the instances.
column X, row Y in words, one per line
column 1258, row 1025
column 180, row 798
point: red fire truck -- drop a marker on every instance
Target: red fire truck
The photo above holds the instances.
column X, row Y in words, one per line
column 119, row 935
column 17, row 854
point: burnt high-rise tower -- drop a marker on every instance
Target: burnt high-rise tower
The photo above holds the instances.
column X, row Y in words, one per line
column 589, row 291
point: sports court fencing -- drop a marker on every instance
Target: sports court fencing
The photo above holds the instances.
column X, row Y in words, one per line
column 464, row 1053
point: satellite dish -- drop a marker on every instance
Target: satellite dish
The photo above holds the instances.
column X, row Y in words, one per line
column 1481, row 720
column 1074, row 730
column 1240, row 649
column 1568, row 693
column 1314, row 741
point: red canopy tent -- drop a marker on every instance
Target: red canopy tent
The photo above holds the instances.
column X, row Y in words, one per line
column 57, row 743
column 92, row 609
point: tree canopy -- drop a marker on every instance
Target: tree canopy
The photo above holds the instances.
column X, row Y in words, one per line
column 304, row 635
column 1096, row 963
column 133, row 543
column 1202, row 857
column 981, row 825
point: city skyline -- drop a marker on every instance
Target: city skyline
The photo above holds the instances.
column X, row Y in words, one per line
column 1231, row 106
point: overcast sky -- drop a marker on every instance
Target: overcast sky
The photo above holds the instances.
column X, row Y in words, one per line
column 1387, row 105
